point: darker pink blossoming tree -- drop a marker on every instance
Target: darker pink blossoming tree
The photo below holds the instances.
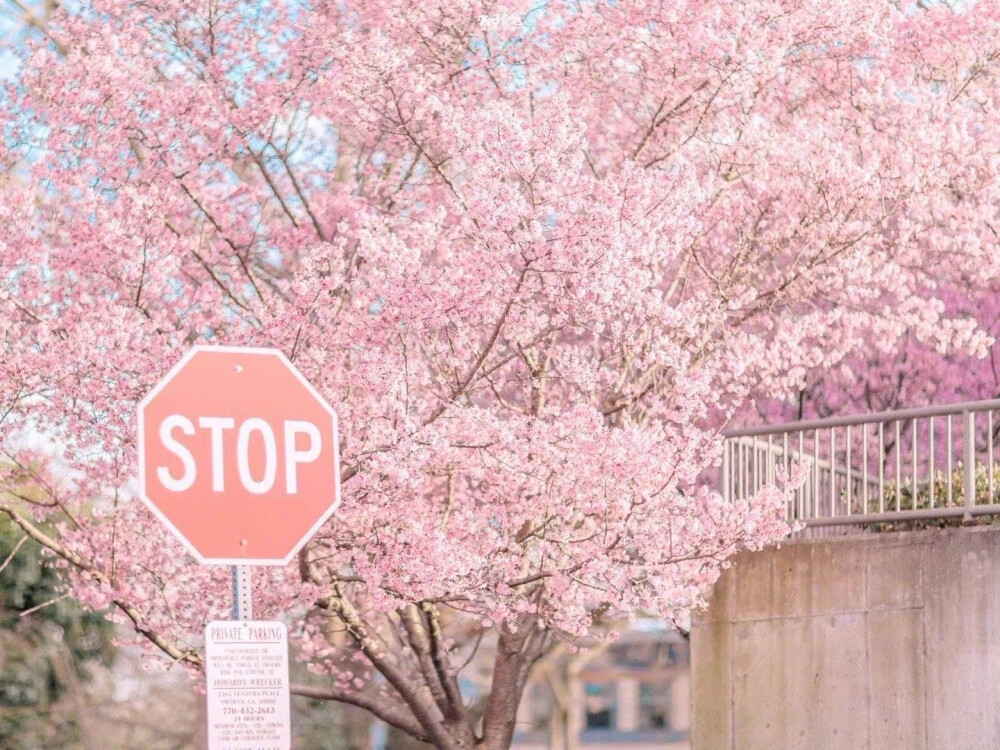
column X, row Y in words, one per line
column 535, row 253
column 901, row 373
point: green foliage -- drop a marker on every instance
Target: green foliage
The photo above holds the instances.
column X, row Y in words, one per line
column 934, row 494
column 46, row 654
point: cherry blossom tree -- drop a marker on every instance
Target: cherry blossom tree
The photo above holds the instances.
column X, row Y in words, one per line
column 534, row 253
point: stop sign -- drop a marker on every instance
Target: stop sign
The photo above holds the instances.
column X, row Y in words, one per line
column 238, row 455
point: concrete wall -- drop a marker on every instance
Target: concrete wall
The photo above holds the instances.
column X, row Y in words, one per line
column 876, row 642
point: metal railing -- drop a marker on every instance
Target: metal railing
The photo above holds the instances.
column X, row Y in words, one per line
column 907, row 465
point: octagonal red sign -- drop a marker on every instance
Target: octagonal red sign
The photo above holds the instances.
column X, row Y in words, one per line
column 238, row 455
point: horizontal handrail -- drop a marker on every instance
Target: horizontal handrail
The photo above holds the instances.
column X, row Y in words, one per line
column 873, row 417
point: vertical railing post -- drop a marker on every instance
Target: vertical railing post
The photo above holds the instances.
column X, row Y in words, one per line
column 969, row 459
column 725, row 472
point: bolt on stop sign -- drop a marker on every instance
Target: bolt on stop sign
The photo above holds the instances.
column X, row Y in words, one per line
column 238, row 455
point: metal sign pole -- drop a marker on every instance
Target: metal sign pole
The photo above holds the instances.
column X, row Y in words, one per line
column 242, row 592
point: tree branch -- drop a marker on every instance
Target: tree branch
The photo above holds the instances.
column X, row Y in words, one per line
column 425, row 711
column 449, row 682
column 395, row 715
column 171, row 649
column 419, row 641
column 491, row 341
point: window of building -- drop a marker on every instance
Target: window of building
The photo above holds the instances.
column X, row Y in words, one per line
column 601, row 702
column 654, row 705
column 674, row 653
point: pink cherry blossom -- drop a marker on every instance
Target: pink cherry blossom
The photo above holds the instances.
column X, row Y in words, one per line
column 534, row 254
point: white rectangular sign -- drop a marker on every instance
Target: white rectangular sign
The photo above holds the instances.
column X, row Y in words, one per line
column 246, row 664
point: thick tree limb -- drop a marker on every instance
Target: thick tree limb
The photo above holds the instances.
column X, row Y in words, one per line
column 419, row 640
column 424, row 710
column 449, row 680
column 517, row 652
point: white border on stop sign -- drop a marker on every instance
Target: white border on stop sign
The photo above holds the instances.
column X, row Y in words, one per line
column 163, row 381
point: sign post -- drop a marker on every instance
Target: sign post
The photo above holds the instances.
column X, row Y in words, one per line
column 239, row 457
column 242, row 592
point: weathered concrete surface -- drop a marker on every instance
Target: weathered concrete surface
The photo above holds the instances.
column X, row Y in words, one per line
column 869, row 642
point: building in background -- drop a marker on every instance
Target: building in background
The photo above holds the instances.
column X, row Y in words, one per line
column 633, row 694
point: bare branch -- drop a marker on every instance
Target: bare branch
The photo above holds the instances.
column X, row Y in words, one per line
column 395, row 715
column 13, row 552
column 37, row 607
column 171, row 649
